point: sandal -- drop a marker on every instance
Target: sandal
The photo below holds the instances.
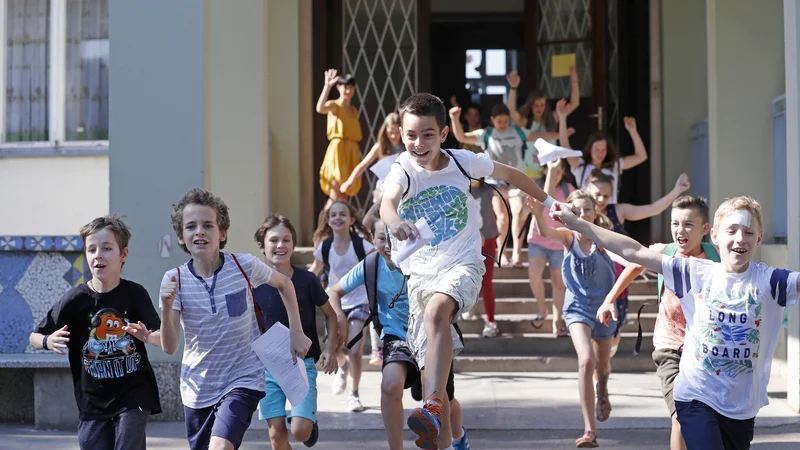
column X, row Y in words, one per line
column 537, row 319
column 560, row 328
column 588, row 440
column 602, row 408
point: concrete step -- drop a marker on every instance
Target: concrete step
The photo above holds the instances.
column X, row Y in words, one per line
column 522, row 323
column 541, row 344
column 527, row 305
column 520, row 287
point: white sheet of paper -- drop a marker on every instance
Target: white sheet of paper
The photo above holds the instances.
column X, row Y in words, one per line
column 274, row 350
column 549, row 152
column 382, row 167
column 408, row 247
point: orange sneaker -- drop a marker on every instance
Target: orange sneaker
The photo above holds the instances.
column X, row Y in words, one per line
column 426, row 422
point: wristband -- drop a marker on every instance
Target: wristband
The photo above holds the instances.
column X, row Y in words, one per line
column 549, row 201
column 44, row 342
column 512, row 88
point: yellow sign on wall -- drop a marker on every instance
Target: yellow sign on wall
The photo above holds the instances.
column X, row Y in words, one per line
column 560, row 64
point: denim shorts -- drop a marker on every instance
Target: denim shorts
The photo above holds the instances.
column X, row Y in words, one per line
column 554, row 258
column 578, row 310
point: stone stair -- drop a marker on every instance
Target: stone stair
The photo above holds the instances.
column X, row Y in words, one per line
column 522, row 348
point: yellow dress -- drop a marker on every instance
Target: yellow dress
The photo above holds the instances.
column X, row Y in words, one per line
column 343, row 154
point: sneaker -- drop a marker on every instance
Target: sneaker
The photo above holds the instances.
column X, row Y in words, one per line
column 340, row 380
column 489, row 330
column 314, row 436
column 426, row 423
column 354, row 404
column 461, row 443
column 469, row 316
column 376, row 359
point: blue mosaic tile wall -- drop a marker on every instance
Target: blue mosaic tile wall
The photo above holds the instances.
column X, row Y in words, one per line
column 35, row 271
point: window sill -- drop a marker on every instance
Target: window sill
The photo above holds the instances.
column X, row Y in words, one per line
column 48, row 151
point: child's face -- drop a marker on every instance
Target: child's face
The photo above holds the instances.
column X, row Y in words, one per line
column 586, row 209
column 339, row 218
column 201, row 234
column 423, row 139
column 473, row 117
column 380, row 240
column 278, row 246
column 346, row 91
column 688, row 228
column 738, row 237
column 104, row 255
column 501, row 122
column 393, row 133
column 598, row 152
column 601, row 193
column 538, row 108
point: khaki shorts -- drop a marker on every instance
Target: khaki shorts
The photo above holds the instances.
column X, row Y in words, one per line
column 462, row 283
column 668, row 364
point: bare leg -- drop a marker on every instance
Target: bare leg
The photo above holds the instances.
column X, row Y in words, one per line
column 502, row 221
column 456, row 419
column 356, row 353
column 516, row 204
column 301, row 428
column 218, row 443
column 676, row 441
column 582, row 341
column 439, row 355
column 559, row 291
column 278, row 434
column 535, row 272
column 394, row 378
column 602, row 349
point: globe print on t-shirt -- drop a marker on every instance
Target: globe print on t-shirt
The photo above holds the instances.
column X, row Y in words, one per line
column 443, row 207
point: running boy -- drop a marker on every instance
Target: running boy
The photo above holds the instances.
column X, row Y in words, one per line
column 445, row 275
column 210, row 296
column 115, row 387
column 733, row 315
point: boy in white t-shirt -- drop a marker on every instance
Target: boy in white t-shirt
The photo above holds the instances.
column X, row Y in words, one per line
column 445, row 275
column 733, row 315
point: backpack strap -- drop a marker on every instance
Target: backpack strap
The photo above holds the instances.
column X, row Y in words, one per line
column 371, row 285
column 486, row 136
column 326, row 267
column 358, row 245
column 509, row 234
column 711, row 252
column 523, row 138
column 259, row 316
column 408, row 180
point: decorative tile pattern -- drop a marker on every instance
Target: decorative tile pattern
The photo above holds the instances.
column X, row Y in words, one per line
column 31, row 283
column 41, row 243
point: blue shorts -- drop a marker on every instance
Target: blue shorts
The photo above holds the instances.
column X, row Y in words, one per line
column 554, row 258
column 274, row 403
column 228, row 419
column 703, row 427
column 582, row 311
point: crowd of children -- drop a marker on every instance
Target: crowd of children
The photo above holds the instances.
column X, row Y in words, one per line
column 716, row 330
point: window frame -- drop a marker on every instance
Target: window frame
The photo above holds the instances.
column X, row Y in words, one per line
column 56, row 143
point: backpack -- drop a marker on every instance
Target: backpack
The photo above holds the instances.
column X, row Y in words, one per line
column 481, row 180
column 358, row 246
column 259, row 316
column 521, row 134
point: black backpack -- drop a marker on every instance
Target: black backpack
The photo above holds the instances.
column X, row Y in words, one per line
column 358, row 246
column 464, row 172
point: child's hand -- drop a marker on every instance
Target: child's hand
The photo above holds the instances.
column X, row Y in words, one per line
column 300, row 344
column 513, row 79
column 564, row 213
column 331, row 77
column 606, row 313
column 404, row 230
column 561, row 108
column 328, row 360
column 455, row 112
column 683, row 184
column 345, row 187
column 570, row 131
column 168, row 292
column 138, row 330
column 536, row 207
column 630, row 124
column 555, row 168
column 58, row 340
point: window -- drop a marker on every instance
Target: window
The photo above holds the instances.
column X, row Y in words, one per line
column 56, row 73
column 486, row 70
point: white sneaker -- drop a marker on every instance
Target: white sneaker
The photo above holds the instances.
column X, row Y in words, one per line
column 340, row 380
column 376, row 359
column 469, row 316
column 489, row 330
column 354, row 404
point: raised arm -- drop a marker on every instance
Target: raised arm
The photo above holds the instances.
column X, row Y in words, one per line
column 626, row 211
column 622, row 245
column 575, row 91
column 458, row 130
column 561, row 235
column 511, row 103
column 639, row 151
column 324, row 106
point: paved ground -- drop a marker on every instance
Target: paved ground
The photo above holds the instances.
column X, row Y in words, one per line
column 502, row 411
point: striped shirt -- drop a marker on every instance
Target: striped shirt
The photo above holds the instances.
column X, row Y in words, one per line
column 219, row 324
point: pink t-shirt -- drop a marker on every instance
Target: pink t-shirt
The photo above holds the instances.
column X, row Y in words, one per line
column 533, row 234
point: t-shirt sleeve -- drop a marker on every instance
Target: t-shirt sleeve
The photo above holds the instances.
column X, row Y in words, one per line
column 479, row 137
column 782, row 285
column 396, row 175
column 353, row 279
column 619, row 166
column 260, row 273
column 479, row 164
column 318, row 295
column 676, row 273
column 368, row 247
column 144, row 305
column 318, row 252
column 177, row 304
column 58, row 316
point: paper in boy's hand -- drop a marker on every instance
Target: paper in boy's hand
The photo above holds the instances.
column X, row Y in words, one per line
column 407, row 247
column 549, row 152
column 383, row 166
column 274, row 350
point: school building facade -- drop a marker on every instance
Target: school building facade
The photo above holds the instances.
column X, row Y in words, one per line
column 221, row 95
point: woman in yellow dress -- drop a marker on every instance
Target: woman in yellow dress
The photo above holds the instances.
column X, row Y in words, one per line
column 344, row 133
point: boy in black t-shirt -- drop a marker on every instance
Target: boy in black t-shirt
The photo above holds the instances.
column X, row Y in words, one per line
column 115, row 387
column 276, row 239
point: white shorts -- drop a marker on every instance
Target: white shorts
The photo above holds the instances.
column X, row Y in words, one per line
column 461, row 282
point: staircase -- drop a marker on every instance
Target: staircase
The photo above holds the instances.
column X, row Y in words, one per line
column 520, row 347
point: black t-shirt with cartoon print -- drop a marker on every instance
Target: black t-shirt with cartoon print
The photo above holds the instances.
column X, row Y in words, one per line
column 111, row 372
